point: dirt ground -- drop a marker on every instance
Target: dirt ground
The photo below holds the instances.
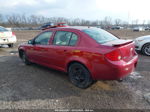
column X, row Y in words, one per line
column 129, row 34
column 38, row 87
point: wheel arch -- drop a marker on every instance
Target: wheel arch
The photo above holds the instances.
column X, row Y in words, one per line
column 86, row 64
column 144, row 46
column 21, row 52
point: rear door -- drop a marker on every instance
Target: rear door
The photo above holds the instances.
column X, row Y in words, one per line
column 63, row 44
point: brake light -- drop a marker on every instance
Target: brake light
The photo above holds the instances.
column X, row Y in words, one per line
column 13, row 34
column 114, row 55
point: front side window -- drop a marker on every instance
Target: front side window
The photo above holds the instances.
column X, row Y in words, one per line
column 43, row 39
column 101, row 36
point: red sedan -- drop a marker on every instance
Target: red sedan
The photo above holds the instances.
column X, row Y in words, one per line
column 86, row 54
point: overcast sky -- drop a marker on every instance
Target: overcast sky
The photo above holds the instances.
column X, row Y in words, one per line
column 86, row 9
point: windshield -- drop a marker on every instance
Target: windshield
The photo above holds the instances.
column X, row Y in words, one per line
column 3, row 29
column 101, row 36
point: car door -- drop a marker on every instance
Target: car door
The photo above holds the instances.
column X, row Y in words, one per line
column 63, row 43
column 39, row 48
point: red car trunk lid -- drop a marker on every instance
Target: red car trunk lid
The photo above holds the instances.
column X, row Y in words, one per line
column 126, row 48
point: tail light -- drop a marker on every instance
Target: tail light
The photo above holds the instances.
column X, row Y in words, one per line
column 114, row 55
column 13, row 34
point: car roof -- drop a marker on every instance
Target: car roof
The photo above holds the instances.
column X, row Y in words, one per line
column 74, row 27
column 61, row 23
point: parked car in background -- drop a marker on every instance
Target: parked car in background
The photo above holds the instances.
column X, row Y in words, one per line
column 143, row 44
column 61, row 25
column 116, row 28
column 47, row 25
column 85, row 53
column 147, row 28
column 52, row 25
column 138, row 29
column 7, row 37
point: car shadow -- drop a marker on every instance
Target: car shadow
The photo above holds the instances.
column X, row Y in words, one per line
column 21, row 82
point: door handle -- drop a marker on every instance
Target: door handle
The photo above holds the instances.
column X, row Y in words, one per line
column 31, row 48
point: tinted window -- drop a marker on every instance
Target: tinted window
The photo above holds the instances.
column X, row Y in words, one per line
column 43, row 39
column 101, row 36
column 62, row 38
column 73, row 40
column 3, row 29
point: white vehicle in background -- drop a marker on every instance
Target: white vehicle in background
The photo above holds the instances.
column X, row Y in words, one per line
column 138, row 29
column 7, row 37
column 143, row 44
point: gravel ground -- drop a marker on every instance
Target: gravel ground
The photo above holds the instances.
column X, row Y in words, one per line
column 38, row 87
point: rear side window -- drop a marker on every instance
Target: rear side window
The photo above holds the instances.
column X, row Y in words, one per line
column 43, row 39
column 64, row 38
column 73, row 40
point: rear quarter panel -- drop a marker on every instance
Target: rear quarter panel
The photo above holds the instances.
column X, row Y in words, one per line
column 92, row 58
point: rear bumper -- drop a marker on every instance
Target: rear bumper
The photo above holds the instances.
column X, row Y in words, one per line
column 125, row 68
column 8, row 40
column 116, row 70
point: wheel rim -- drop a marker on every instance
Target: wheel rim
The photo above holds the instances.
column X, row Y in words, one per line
column 147, row 49
column 78, row 74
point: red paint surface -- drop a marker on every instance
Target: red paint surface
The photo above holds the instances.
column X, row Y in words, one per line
column 88, row 52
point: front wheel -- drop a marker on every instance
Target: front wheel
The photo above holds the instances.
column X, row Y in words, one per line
column 25, row 59
column 146, row 49
column 79, row 75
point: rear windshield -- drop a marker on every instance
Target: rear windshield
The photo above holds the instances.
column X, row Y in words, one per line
column 101, row 36
column 3, row 29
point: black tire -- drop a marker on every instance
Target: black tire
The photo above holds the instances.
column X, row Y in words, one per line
column 10, row 45
column 79, row 75
column 25, row 59
column 146, row 49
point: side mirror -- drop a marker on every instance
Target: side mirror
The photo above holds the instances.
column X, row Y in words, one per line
column 30, row 42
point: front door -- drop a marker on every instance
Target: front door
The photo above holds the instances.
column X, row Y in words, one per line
column 40, row 47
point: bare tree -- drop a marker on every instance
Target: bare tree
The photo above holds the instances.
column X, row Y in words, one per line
column 21, row 20
column 107, row 22
column 148, row 23
column 13, row 20
column 118, row 22
column 135, row 22
column 144, row 23
column 125, row 24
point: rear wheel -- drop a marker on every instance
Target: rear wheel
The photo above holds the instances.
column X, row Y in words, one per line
column 25, row 59
column 79, row 75
column 146, row 49
column 10, row 45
